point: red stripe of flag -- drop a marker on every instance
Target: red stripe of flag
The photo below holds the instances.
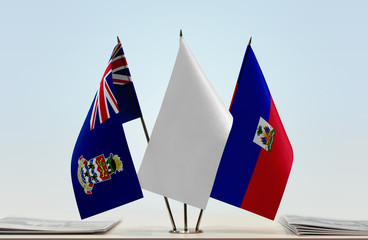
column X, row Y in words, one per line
column 111, row 95
column 232, row 100
column 271, row 173
column 107, row 70
column 94, row 114
column 118, row 63
column 102, row 103
column 120, row 81
column 124, row 61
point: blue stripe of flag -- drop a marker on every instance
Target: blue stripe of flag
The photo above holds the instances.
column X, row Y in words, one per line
column 251, row 101
column 124, row 71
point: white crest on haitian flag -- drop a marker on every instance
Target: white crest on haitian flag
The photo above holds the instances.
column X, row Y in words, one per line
column 188, row 138
column 264, row 135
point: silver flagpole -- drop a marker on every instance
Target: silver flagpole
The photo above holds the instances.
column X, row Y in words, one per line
column 199, row 220
column 201, row 212
column 165, row 198
column 185, row 218
column 185, row 205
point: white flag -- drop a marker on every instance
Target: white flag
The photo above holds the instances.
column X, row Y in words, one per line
column 188, row 138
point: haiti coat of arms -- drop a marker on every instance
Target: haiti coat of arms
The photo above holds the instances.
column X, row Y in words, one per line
column 264, row 135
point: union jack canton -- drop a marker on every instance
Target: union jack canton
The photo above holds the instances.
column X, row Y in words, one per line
column 117, row 68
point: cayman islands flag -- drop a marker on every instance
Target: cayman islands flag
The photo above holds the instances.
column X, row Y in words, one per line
column 102, row 170
column 257, row 159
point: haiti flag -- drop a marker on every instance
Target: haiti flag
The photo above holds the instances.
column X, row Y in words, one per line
column 102, row 170
column 257, row 159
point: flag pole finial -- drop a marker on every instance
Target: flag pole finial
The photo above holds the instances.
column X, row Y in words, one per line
column 181, row 33
column 250, row 41
column 118, row 39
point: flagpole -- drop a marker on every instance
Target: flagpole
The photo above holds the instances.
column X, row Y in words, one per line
column 201, row 212
column 199, row 220
column 185, row 205
column 165, row 198
column 145, row 129
column 147, row 138
column 185, row 218
column 241, row 71
column 170, row 213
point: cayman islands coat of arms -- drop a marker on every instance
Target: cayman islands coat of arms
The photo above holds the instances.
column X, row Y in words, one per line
column 264, row 135
column 97, row 170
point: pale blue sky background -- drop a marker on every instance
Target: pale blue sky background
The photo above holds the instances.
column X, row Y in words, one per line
column 312, row 53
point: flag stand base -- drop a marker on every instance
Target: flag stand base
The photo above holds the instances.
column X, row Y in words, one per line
column 186, row 230
column 182, row 231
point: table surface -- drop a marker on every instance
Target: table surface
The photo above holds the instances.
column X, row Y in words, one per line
column 217, row 226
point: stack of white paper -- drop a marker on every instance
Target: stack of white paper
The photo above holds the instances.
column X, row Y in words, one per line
column 43, row 226
column 322, row 226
